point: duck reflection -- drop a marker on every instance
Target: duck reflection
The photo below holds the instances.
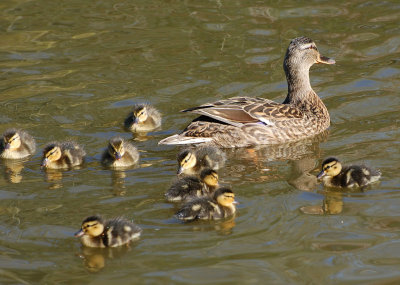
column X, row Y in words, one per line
column 331, row 205
column 302, row 155
column 95, row 258
column 13, row 169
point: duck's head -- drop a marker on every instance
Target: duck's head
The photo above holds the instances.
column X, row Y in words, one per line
column 209, row 177
column 92, row 226
column 52, row 152
column 116, row 148
column 12, row 140
column 330, row 167
column 186, row 160
column 140, row 114
column 302, row 53
column 225, row 197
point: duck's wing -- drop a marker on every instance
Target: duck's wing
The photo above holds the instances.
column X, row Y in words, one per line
column 239, row 111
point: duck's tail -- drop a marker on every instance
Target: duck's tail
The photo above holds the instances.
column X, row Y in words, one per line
column 182, row 140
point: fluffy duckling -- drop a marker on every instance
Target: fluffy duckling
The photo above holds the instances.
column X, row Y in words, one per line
column 221, row 205
column 120, row 153
column 97, row 232
column 16, row 144
column 58, row 155
column 143, row 118
column 190, row 187
column 192, row 160
column 333, row 174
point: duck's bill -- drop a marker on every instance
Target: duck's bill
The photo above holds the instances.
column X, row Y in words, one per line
column 235, row 202
column 326, row 60
column 79, row 233
column 321, row 174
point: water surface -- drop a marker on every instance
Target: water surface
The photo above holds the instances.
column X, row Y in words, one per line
column 72, row 69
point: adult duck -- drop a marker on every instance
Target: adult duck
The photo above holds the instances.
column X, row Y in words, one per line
column 246, row 121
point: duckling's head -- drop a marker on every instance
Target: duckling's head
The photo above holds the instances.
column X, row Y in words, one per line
column 51, row 152
column 92, row 226
column 209, row 177
column 186, row 161
column 12, row 140
column 330, row 167
column 116, row 148
column 303, row 53
column 140, row 114
column 225, row 197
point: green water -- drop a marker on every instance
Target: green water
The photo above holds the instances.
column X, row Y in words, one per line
column 72, row 69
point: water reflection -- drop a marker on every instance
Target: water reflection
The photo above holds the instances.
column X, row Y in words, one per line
column 54, row 178
column 301, row 177
column 13, row 169
column 95, row 259
column 331, row 205
column 118, row 182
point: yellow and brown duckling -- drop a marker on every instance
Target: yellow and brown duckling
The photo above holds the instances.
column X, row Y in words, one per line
column 333, row 174
column 62, row 155
column 189, row 187
column 143, row 118
column 220, row 206
column 97, row 232
column 120, row 153
column 192, row 161
column 16, row 144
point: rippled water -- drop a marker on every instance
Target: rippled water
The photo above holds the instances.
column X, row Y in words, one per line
column 72, row 69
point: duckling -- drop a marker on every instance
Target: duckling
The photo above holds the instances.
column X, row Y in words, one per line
column 192, row 160
column 16, row 144
column 190, row 187
column 97, row 232
column 221, row 205
column 143, row 118
column 333, row 174
column 120, row 153
column 58, row 155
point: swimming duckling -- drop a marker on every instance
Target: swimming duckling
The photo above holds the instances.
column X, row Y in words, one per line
column 97, row 232
column 333, row 174
column 192, row 160
column 58, row 155
column 221, row 205
column 120, row 153
column 16, row 144
column 190, row 187
column 143, row 118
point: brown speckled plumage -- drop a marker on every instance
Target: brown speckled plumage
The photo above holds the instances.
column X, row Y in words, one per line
column 245, row 121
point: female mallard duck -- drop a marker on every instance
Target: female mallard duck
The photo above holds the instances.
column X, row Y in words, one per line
column 16, row 144
column 120, row 153
column 189, row 187
column 96, row 232
column 221, row 205
column 245, row 121
column 143, row 118
column 192, row 161
column 58, row 155
column 333, row 174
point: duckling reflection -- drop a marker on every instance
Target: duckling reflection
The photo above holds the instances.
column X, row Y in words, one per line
column 54, row 178
column 13, row 169
column 331, row 205
column 118, row 182
column 96, row 258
